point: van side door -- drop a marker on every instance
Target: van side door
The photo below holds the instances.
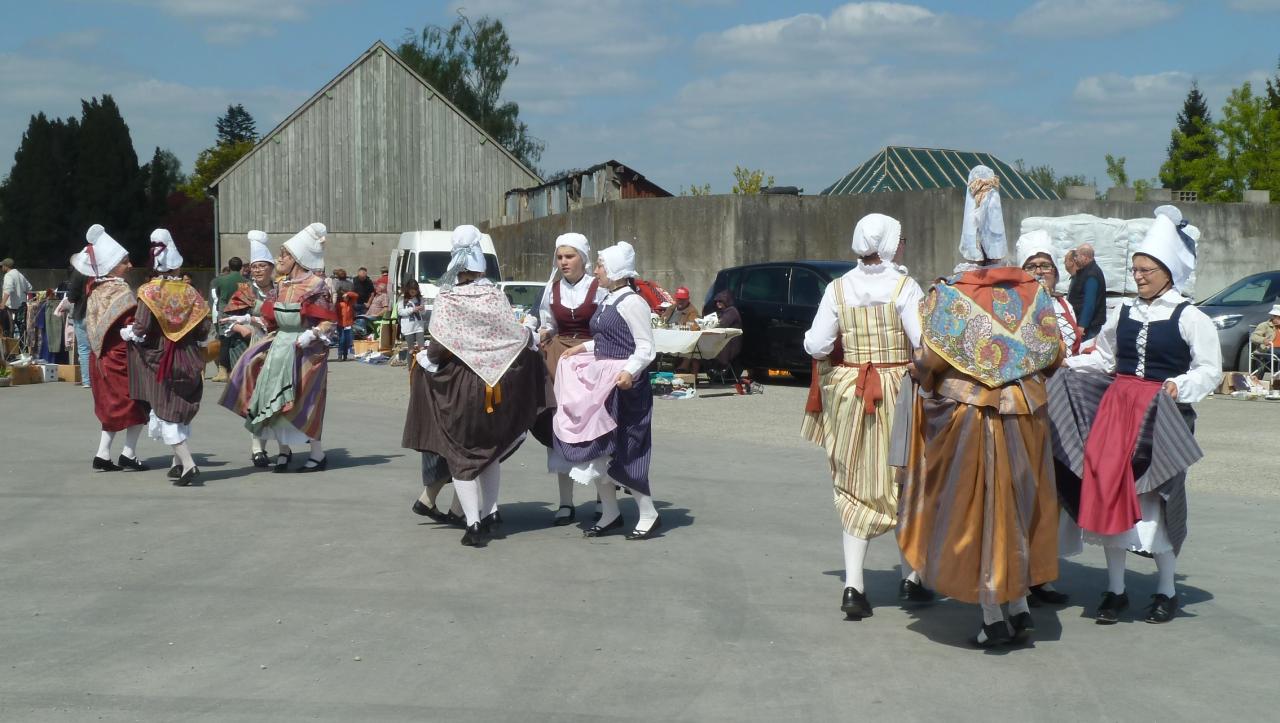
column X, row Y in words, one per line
column 806, row 290
column 763, row 295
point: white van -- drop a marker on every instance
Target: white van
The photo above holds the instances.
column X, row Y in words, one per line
column 424, row 257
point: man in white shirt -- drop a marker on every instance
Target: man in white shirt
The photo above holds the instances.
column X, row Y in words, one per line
column 13, row 303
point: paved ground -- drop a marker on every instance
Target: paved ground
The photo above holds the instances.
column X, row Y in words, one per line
column 321, row 597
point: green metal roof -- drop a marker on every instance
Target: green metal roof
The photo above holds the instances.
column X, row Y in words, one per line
column 898, row 168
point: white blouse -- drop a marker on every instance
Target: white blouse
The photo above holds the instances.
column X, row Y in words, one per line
column 635, row 311
column 408, row 324
column 571, row 297
column 864, row 285
column 1196, row 329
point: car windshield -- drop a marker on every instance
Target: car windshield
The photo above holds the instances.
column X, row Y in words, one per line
column 433, row 264
column 1249, row 291
column 526, row 295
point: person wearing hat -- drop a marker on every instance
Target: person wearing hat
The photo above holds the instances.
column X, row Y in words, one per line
column 564, row 316
column 109, row 313
column 604, row 413
column 681, row 312
column 481, row 385
column 246, row 332
column 978, row 515
column 1265, row 340
column 1156, row 355
column 166, row 356
column 288, row 397
column 862, row 338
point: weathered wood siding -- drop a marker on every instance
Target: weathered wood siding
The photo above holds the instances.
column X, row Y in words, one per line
column 375, row 153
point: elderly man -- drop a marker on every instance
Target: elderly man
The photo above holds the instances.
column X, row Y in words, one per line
column 13, row 301
column 1088, row 292
column 1266, row 342
column 682, row 312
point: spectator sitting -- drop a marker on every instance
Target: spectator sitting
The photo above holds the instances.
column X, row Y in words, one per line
column 383, row 278
column 378, row 303
column 682, row 312
column 1265, row 340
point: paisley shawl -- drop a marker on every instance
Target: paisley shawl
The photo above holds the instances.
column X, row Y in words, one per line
column 177, row 306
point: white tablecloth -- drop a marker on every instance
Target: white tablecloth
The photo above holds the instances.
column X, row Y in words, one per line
column 706, row 343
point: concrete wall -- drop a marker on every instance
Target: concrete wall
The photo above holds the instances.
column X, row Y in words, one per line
column 686, row 240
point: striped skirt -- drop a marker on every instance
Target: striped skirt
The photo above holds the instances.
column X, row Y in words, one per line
column 857, row 445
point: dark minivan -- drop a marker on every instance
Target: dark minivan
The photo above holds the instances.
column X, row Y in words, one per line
column 778, row 301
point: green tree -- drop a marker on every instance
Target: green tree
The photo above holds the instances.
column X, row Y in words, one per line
column 106, row 184
column 161, row 177
column 468, row 63
column 1116, row 172
column 36, row 198
column 1250, row 141
column 211, row 163
column 236, row 125
column 696, row 190
column 1191, row 142
column 1273, row 90
column 748, row 181
column 1048, row 179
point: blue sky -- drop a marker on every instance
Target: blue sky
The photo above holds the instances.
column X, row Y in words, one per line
column 682, row 90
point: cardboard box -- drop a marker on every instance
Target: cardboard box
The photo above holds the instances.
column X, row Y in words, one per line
column 69, row 373
column 26, row 375
column 364, row 346
column 387, row 337
column 48, row 372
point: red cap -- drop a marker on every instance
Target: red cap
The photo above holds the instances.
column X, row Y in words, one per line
column 682, row 292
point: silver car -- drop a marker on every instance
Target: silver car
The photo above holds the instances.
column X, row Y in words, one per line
column 1236, row 310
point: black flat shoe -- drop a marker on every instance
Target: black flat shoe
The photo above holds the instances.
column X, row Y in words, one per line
column 598, row 531
column 996, row 633
column 1110, row 608
column 175, row 472
column 567, row 519
column 474, row 536
column 488, row 522
column 131, row 463
column 313, row 465
column 637, row 534
column 282, row 466
column 187, row 477
column 1162, row 609
column 429, row 511
column 1039, row 594
column 260, row 460
column 1023, row 627
column 455, row 519
column 911, row 591
column 854, row 604
column 105, row 465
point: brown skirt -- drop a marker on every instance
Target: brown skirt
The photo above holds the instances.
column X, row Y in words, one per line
column 448, row 414
column 555, row 348
column 978, row 512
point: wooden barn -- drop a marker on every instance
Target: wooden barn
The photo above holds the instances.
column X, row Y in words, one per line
column 375, row 152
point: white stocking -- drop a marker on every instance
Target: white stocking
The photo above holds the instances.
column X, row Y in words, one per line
column 256, row 445
column 104, row 445
column 855, row 554
column 317, row 450
column 1166, row 567
column 566, row 489
column 1115, row 569
column 468, row 494
column 131, row 440
column 648, row 513
column 907, row 572
column 183, row 453
column 608, row 501
column 285, row 450
column 431, row 491
column 456, row 505
column 991, row 613
column 1019, row 605
column 489, row 480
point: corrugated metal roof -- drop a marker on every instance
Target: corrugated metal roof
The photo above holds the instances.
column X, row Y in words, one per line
column 899, row 168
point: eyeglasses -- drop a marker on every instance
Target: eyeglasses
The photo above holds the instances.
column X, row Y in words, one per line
column 1043, row 266
column 1144, row 272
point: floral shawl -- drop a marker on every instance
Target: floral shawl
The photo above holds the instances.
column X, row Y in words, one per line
column 177, row 306
column 996, row 325
column 109, row 300
column 476, row 323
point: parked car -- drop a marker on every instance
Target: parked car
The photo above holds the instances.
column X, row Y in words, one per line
column 778, row 301
column 525, row 294
column 1236, row 310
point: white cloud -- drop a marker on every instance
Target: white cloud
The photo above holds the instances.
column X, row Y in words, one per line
column 1134, row 94
column 1069, row 18
column 231, row 22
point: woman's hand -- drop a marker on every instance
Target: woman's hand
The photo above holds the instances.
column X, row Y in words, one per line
column 544, row 337
column 325, row 328
column 1171, row 389
column 242, row 329
column 624, row 379
column 574, row 350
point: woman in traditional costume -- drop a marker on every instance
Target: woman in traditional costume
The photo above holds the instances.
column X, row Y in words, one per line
column 286, row 402
column 565, row 313
column 481, row 387
column 604, row 412
column 247, row 328
column 862, row 338
column 978, row 515
column 108, row 314
column 1124, row 420
column 167, row 356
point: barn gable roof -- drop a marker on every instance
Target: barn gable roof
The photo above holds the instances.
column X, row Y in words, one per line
column 900, row 168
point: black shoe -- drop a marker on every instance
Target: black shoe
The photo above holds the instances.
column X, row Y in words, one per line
column 260, row 459
column 567, row 519
column 1110, row 608
column 187, row 477
column 488, row 522
column 314, row 465
column 637, row 534
column 854, row 604
column 1040, row 594
column 174, row 472
column 474, row 536
column 432, row 511
column 911, row 591
column 1162, row 608
column 997, row 633
column 455, row 519
column 105, row 465
column 131, row 463
column 1023, row 627
column 598, row 531
column 282, row 466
